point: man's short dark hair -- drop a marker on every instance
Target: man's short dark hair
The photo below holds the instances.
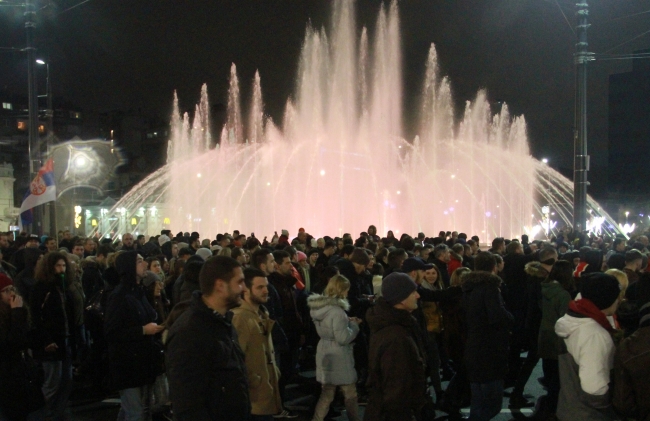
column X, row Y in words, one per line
column 250, row 274
column 513, row 247
column 140, row 236
column 396, row 258
column 485, row 261
column 633, row 255
column 329, row 244
column 185, row 251
column 280, row 255
column 104, row 250
column 347, row 249
column 497, row 242
column 547, row 253
column 259, row 257
column 439, row 250
column 216, row 267
column 359, row 256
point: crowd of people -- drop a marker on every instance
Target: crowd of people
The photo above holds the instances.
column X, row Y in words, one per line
column 196, row 329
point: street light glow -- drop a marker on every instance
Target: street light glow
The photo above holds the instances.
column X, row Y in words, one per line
column 39, row 61
column 545, row 160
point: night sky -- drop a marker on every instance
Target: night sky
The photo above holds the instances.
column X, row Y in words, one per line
column 109, row 54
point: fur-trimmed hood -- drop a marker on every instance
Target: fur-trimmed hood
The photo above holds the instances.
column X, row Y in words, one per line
column 478, row 277
column 536, row 269
column 321, row 305
column 317, row 301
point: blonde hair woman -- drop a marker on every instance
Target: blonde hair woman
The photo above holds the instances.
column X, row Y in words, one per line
column 334, row 358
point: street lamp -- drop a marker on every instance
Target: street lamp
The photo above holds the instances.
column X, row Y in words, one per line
column 545, row 160
column 49, row 114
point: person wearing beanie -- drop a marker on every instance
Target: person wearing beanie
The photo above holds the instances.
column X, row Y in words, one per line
column 397, row 380
column 587, row 351
column 631, row 379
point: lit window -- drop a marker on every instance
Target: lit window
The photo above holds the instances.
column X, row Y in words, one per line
column 41, row 128
column 21, row 125
column 7, row 106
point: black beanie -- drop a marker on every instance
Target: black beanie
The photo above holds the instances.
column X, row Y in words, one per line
column 396, row 287
column 600, row 288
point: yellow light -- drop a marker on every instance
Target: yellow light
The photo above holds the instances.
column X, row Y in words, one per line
column 77, row 221
column 134, row 221
column 93, row 222
column 166, row 221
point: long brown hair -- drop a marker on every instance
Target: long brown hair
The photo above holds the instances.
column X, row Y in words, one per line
column 45, row 267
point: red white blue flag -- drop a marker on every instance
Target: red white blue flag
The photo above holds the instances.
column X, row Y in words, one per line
column 41, row 190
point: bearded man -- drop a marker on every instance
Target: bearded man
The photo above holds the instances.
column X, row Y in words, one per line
column 254, row 327
column 205, row 364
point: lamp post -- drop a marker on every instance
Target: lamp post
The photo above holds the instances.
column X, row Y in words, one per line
column 49, row 113
column 581, row 159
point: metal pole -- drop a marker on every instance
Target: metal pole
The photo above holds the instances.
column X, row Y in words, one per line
column 581, row 159
column 50, row 140
column 32, row 143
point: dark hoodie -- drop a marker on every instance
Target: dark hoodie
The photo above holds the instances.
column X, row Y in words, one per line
column 488, row 328
column 135, row 359
column 396, row 378
column 25, row 280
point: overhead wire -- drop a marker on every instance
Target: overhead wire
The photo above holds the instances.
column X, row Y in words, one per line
column 72, row 7
column 628, row 41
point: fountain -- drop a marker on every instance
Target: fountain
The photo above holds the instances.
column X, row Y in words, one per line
column 339, row 162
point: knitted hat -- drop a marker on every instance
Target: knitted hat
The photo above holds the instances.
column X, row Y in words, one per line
column 301, row 256
column 204, row 253
column 396, row 287
column 5, row 281
column 600, row 288
column 149, row 278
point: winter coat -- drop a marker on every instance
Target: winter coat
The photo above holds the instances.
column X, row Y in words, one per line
column 555, row 303
column 515, row 292
column 254, row 336
column 291, row 321
column 536, row 275
column 396, row 376
column 585, row 362
column 205, row 366
column 53, row 318
column 25, row 280
column 17, row 396
column 632, row 372
column 488, row 328
column 359, row 286
column 135, row 359
column 334, row 357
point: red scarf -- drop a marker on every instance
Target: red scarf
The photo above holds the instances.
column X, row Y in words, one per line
column 587, row 308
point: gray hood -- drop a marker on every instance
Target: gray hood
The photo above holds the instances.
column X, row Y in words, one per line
column 320, row 305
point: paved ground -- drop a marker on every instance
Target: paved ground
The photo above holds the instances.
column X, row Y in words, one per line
column 300, row 395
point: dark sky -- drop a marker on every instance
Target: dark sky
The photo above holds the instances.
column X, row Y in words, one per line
column 109, row 54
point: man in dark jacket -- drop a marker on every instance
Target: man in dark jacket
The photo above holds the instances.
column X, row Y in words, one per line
column 537, row 272
column 396, row 380
column 632, row 362
column 135, row 356
column 205, row 365
column 488, row 330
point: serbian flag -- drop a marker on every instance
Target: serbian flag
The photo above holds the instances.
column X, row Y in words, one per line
column 41, row 190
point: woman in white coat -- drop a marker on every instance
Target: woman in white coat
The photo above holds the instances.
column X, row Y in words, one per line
column 334, row 357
